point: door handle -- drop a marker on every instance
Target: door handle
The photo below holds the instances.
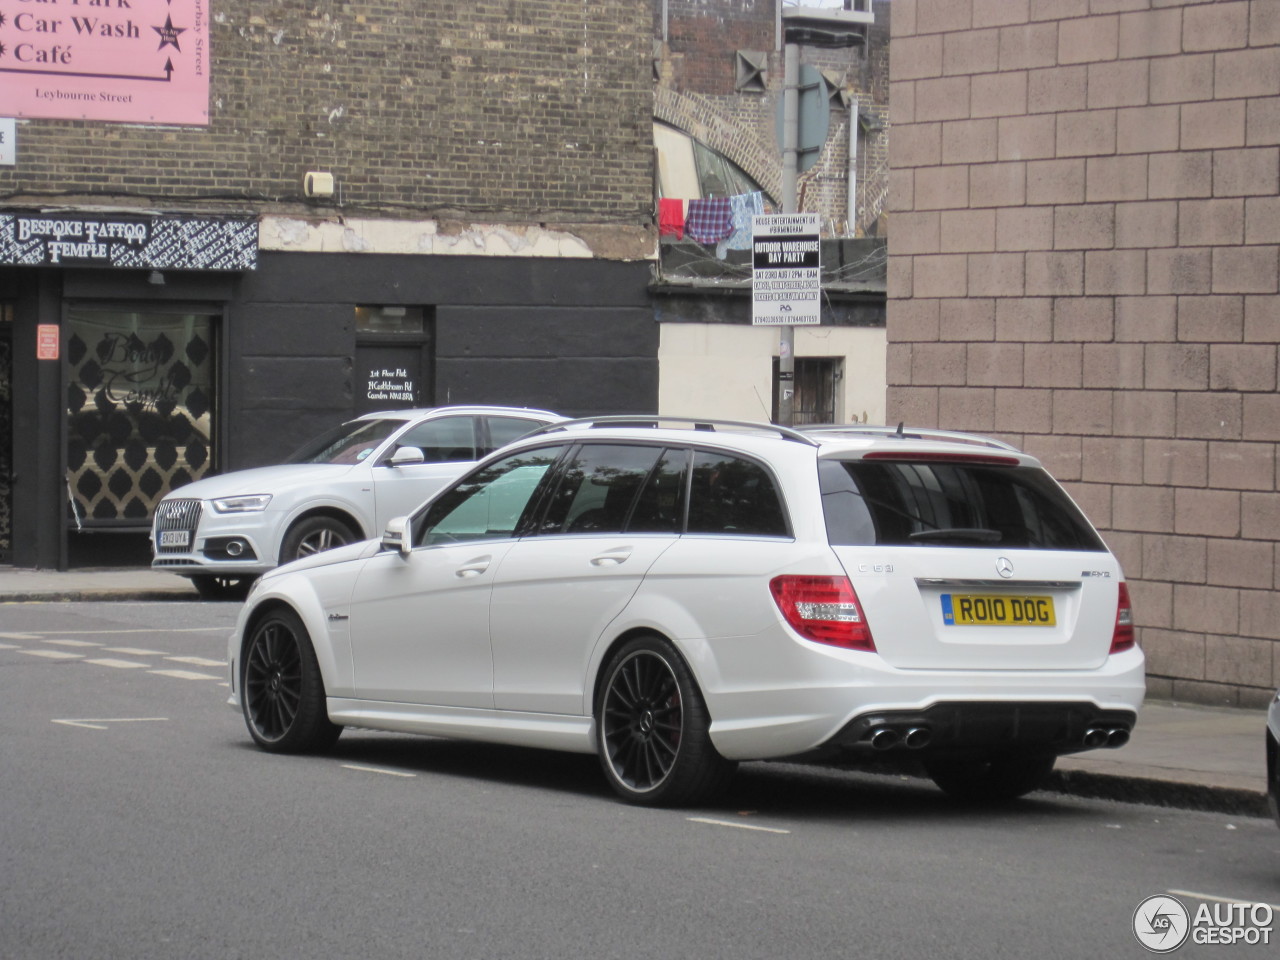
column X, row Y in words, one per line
column 472, row 569
column 611, row 558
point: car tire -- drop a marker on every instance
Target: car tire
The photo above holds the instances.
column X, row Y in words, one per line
column 212, row 587
column 991, row 778
column 315, row 535
column 281, row 691
column 652, row 728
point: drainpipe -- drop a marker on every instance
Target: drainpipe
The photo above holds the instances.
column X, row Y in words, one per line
column 851, row 204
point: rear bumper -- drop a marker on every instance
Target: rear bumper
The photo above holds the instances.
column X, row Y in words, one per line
column 958, row 726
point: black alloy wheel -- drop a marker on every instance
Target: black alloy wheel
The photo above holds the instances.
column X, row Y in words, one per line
column 652, row 728
column 283, row 693
column 315, row 535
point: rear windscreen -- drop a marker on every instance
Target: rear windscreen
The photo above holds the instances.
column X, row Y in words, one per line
column 904, row 503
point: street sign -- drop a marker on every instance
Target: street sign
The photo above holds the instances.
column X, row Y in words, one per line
column 813, row 118
column 786, row 270
column 47, row 341
column 8, row 142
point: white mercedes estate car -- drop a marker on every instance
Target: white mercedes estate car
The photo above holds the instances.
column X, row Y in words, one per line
column 675, row 597
column 223, row 532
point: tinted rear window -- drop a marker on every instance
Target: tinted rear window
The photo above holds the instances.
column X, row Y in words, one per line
column 902, row 503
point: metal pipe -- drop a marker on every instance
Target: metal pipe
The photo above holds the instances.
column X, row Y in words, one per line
column 790, row 164
column 851, row 204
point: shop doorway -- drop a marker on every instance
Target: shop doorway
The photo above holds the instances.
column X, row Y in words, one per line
column 392, row 368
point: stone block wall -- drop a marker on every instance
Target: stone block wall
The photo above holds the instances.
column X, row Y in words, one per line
column 1084, row 259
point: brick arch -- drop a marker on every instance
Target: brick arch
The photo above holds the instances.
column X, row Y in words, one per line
column 701, row 119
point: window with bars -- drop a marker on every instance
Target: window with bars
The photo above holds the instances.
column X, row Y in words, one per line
column 817, row 380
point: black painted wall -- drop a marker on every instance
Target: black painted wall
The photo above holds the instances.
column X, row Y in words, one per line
column 575, row 336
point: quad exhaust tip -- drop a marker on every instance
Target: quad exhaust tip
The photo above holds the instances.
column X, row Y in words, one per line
column 1111, row 737
column 884, row 738
column 913, row 738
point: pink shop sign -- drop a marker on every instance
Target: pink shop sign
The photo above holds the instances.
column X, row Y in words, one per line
column 126, row 61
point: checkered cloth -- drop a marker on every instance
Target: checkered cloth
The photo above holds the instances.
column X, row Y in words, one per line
column 709, row 220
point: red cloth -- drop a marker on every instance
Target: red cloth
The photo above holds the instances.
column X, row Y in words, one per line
column 671, row 218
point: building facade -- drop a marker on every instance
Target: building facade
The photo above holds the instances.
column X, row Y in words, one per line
column 718, row 67
column 1085, row 198
column 323, row 210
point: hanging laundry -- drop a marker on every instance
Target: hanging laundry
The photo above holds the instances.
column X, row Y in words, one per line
column 742, row 208
column 709, row 220
column 671, row 217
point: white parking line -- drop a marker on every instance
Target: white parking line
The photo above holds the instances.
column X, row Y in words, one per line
column 118, row 664
column 55, row 654
column 74, row 643
column 9, row 646
column 389, row 773
column 198, row 661
column 136, row 651
column 1212, row 898
column 184, row 674
column 97, row 724
column 37, row 634
column 732, row 823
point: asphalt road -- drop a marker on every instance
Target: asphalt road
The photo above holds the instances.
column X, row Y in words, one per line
column 137, row 821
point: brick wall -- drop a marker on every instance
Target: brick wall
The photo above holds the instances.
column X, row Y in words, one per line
column 697, row 95
column 538, row 110
column 1085, row 199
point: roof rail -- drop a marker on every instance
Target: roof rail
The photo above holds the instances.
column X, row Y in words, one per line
column 655, row 420
column 912, row 433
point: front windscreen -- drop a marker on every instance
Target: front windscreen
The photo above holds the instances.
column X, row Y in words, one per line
column 351, row 442
column 906, row 503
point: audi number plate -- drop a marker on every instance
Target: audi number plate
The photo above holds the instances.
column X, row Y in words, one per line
column 175, row 538
column 1003, row 610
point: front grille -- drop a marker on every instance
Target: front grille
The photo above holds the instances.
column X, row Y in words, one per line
column 177, row 515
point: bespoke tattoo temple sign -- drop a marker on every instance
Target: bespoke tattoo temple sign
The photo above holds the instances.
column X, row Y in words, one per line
column 144, row 242
column 130, row 61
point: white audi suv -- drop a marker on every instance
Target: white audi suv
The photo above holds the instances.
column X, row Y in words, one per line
column 222, row 532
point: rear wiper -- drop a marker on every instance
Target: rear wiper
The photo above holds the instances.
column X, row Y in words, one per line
column 972, row 534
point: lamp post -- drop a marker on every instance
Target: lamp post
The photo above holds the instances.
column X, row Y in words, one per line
column 818, row 27
column 790, row 164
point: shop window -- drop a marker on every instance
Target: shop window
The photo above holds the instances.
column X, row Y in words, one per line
column 140, row 410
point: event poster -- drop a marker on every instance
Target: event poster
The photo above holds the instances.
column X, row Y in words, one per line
column 127, row 61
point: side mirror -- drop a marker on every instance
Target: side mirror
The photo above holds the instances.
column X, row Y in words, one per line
column 405, row 456
column 398, row 536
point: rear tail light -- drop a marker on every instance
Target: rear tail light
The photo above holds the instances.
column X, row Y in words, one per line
column 1122, row 639
column 823, row 609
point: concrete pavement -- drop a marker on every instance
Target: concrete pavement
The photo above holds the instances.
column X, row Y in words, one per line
column 1181, row 755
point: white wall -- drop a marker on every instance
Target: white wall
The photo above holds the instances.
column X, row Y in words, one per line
column 725, row 370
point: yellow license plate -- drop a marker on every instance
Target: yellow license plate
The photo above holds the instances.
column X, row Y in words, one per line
column 997, row 610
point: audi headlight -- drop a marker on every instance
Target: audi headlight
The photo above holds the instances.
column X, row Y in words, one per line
column 254, row 503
